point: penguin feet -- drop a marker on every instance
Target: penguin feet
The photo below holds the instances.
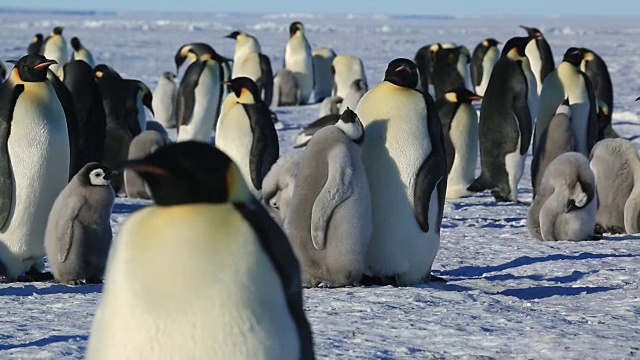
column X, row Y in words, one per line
column 595, row 237
column 34, row 275
column 73, row 282
column 435, row 278
column 367, row 280
column 94, row 280
column 499, row 197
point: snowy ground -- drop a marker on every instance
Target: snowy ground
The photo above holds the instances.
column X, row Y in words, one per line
column 508, row 296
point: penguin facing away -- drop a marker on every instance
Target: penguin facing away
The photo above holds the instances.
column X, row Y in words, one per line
column 329, row 217
column 235, row 257
column 142, row 145
column 36, row 46
column 406, row 164
column 484, row 57
column 299, row 60
column 565, row 206
column 164, row 100
column 322, row 73
column 286, row 91
column 34, row 164
column 78, row 235
column 55, row 48
column 81, row 53
column 539, row 54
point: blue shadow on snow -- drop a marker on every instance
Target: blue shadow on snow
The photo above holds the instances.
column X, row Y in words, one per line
column 45, row 341
column 542, row 292
column 120, row 208
column 29, row 290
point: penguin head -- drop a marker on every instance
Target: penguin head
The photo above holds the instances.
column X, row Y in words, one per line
column 95, row 174
column 295, row 27
column 234, row 35
column 461, row 95
column 514, row 48
column 244, row 89
column 145, row 95
column 359, row 85
column 183, row 53
column 490, row 42
column 33, row 68
column 402, row 72
column 57, row 30
column 169, row 75
column 37, row 38
column 573, row 56
column 533, row 33
column 191, row 172
column 351, row 125
column 75, row 44
column 101, row 70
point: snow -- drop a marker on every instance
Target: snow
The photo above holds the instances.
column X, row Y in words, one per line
column 507, row 295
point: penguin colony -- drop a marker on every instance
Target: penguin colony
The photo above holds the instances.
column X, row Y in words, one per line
column 360, row 203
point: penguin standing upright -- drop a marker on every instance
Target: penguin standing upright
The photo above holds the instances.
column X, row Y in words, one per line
column 346, row 70
column 298, row 59
column 142, row 145
column 597, row 71
column 55, row 48
column 229, row 288
column 246, row 133
column 484, row 57
column 35, row 47
column 460, row 127
column 68, row 106
column 406, row 163
column 164, row 100
column 286, row 91
column 322, row 73
column 506, row 122
column 34, row 164
column 81, row 53
column 249, row 61
column 539, row 54
column 450, row 69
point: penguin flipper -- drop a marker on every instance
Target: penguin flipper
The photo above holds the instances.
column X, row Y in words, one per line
column 265, row 82
column 7, row 106
column 476, row 69
column 66, row 226
column 334, row 192
column 525, row 123
column 187, row 92
column 431, row 176
column 264, row 147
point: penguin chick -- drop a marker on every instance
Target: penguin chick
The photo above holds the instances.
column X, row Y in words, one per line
column 78, row 235
column 143, row 144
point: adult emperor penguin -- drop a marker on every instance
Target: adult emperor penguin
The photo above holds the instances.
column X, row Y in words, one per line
column 565, row 207
column 356, row 91
column 68, row 106
column 249, row 61
column 506, row 122
column 346, row 70
column 568, row 82
column 200, row 96
column 286, row 91
column 235, row 269
column 246, row 133
column 450, row 68
column 596, row 69
column 55, row 48
column 329, row 218
column 406, row 163
column 164, row 100
column 484, row 57
column 81, row 53
column 616, row 166
column 299, row 60
column 34, row 164
column 142, row 145
column 539, row 54
column 35, row 47
column 322, row 73
column 78, row 235
column 460, row 127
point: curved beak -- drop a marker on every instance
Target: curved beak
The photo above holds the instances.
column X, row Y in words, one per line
column 45, row 64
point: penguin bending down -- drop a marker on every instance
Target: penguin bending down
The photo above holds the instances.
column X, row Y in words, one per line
column 36, row 46
column 230, row 261
column 277, row 186
column 484, row 58
column 142, row 145
column 616, row 167
column 164, row 100
column 565, row 207
column 460, row 127
column 34, row 165
column 249, row 61
column 405, row 158
column 81, row 53
column 329, row 217
column 55, row 48
column 246, row 133
column 286, row 91
column 78, row 234
column 299, row 60
column 322, row 73
column 506, row 123
column 346, row 70
column 540, row 57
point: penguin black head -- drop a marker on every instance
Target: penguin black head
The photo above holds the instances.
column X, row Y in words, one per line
column 295, row 27
column 37, row 38
column 101, row 70
column 573, row 56
column 514, row 47
column 489, row 42
column 245, row 90
column 351, row 125
column 33, row 68
column 57, row 30
column 169, row 75
column 533, row 32
column 190, row 172
column 461, row 95
column 75, row 44
column 234, row 35
column 147, row 96
column 402, row 72
column 95, row 174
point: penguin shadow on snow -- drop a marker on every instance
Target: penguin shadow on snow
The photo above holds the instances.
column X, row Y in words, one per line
column 52, row 289
column 45, row 341
column 128, row 208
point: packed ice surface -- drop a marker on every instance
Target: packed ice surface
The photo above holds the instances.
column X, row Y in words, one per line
column 507, row 295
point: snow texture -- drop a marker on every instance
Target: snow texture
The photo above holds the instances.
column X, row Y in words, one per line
column 508, row 295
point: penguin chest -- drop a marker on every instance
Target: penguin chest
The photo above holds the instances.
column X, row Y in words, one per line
column 298, row 55
column 464, row 136
column 535, row 59
column 207, row 96
column 235, row 137
column 249, row 66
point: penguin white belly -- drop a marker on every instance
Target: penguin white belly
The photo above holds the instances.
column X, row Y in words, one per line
column 85, row 56
column 463, row 69
column 535, row 60
column 580, row 106
column 396, row 145
column 142, row 115
column 346, row 75
column 206, row 304
column 298, row 59
column 39, row 152
column 514, row 164
column 464, row 136
column 56, row 48
column 205, row 111
column 488, row 63
column 248, row 66
column 164, row 100
column 576, row 225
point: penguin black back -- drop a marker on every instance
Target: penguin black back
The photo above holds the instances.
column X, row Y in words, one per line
column 445, row 70
column 35, row 48
column 68, row 105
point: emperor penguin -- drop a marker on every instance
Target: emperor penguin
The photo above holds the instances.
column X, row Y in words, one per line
column 404, row 155
column 450, row 68
column 35, row 47
column 164, row 100
column 568, row 82
column 247, row 134
column 460, row 126
column 505, row 125
column 81, row 53
column 322, row 73
column 484, row 58
column 299, row 60
column 68, row 107
column 200, row 96
column 329, row 217
column 34, row 164
column 616, row 166
column 230, row 261
column 565, row 206
column 346, row 70
column 142, row 145
column 277, row 186
column 78, row 235
column 249, row 61
column 55, row 48
column 357, row 89
column 539, row 54
column 556, row 140
column 596, row 69
column 286, row 91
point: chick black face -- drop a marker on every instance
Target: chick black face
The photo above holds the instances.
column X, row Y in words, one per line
column 33, row 68
column 402, row 72
column 95, row 174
